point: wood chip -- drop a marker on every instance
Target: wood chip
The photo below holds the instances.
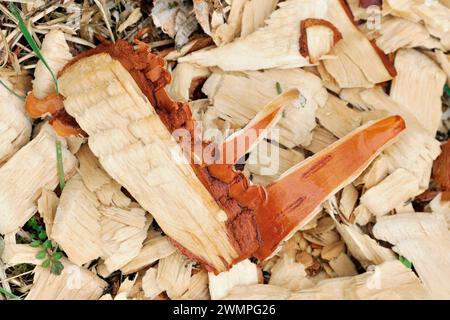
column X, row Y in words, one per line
column 343, row 265
column 238, row 98
column 150, row 285
column 241, row 274
column 424, row 239
column 47, row 204
column 174, row 274
column 33, row 168
column 365, row 249
column 333, row 250
column 391, row 281
column 157, row 247
column 15, row 125
column 74, row 283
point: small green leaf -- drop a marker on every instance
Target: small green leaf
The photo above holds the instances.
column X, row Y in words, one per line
column 406, row 262
column 42, row 235
column 57, row 268
column 47, row 244
column 46, row 263
column 60, row 165
column 41, row 255
column 35, row 243
column 278, row 87
column 57, row 255
column 23, row 28
column 447, row 89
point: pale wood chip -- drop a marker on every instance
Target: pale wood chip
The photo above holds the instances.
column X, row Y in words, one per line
column 33, row 169
column 241, row 274
column 74, row 283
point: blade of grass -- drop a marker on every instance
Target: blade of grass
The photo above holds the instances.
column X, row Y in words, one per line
column 7, row 293
column 10, row 90
column 447, row 89
column 60, row 165
column 23, row 28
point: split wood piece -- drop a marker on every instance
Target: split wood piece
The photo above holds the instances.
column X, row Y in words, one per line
column 107, row 190
column 338, row 118
column 77, row 227
column 47, row 205
column 56, row 53
column 74, row 283
column 15, row 125
column 436, row 17
column 328, row 81
column 397, row 33
column 198, row 287
column 347, row 203
column 390, row 280
column 150, row 285
column 362, row 247
column 185, row 79
column 86, row 230
column 33, row 168
column 396, row 189
column 415, row 150
column 255, row 14
column 321, row 138
column 292, row 209
column 424, row 239
column 241, row 274
column 174, row 274
column 157, row 247
column 418, row 86
column 14, row 254
column 268, row 161
column 123, row 232
column 238, row 98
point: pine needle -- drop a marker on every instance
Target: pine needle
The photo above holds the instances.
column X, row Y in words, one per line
column 7, row 293
column 60, row 165
column 12, row 91
column 23, row 28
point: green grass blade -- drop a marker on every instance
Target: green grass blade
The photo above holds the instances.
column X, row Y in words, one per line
column 7, row 293
column 278, row 88
column 60, row 164
column 12, row 91
column 447, row 89
column 23, row 28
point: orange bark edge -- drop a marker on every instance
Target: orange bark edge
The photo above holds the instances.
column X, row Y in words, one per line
column 307, row 23
column 259, row 218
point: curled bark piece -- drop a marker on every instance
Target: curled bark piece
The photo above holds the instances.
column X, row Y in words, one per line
column 441, row 171
column 295, row 207
column 317, row 38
